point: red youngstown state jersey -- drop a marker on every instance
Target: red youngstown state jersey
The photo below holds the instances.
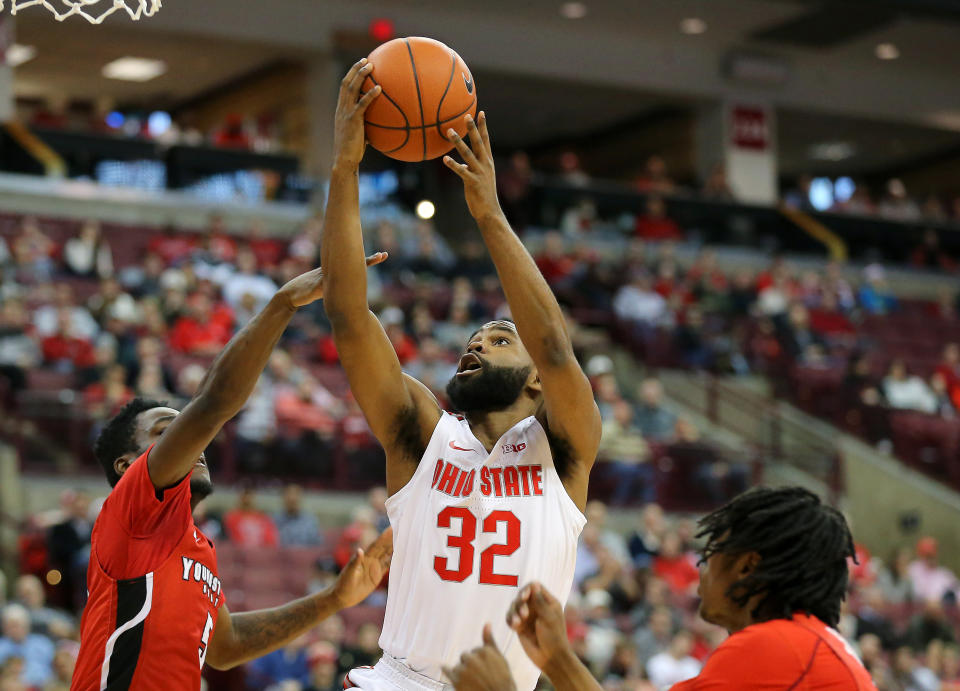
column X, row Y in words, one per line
column 801, row 653
column 153, row 591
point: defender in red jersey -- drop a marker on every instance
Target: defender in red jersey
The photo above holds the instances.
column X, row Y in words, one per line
column 156, row 610
column 773, row 573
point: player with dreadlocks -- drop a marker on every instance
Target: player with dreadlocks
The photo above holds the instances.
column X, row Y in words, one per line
column 773, row 573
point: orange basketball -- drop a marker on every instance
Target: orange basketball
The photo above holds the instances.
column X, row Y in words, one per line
column 427, row 89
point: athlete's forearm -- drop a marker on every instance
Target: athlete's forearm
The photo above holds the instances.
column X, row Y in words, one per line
column 345, row 283
column 233, row 375
column 538, row 316
column 567, row 673
column 262, row 631
column 224, row 390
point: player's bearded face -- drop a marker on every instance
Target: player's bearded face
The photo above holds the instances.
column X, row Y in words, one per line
column 492, row 388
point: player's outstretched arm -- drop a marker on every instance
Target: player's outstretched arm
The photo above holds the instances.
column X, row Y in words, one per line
column 230, row 380
column 241, row 637
column 537, row 617
column 391, row 401
column 571, row 411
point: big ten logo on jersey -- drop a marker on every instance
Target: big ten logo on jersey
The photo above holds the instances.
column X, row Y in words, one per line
column 514, row 448
column 204, row 575
column 507, row 481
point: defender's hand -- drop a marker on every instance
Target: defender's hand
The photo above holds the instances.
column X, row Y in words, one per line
column 538, row 619
column 308, row 287
column 482, row 669
column 477, row 171
column 364, row 571
column 348, row 135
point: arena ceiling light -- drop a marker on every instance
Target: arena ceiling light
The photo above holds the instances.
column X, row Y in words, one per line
column 426, row 209
column 692, row 26
column 887, row 51
column 131, row 69
column 18, row 54
column 573, row 10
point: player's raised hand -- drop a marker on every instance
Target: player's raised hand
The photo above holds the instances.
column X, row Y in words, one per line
column 477, row 171
column 348, row 137
column 364, row 571
column 537, row 617
column 308, row 287
column 482, row 669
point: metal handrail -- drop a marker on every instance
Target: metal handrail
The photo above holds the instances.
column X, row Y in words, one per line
column 765, row 423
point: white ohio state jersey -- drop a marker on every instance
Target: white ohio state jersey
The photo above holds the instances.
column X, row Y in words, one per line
column 469, row 530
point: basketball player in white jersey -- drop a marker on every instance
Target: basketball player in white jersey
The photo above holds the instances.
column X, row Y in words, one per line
column 483, row 501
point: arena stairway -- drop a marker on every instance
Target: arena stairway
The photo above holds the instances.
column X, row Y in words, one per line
column 888, row 503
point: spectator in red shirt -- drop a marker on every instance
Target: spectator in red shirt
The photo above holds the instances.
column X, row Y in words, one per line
column 777, row 272
column 305, row 247
column 552, row 260
column 105, row 397
column 828, row 320
column 268, row 251
column 202, row 330
column 221, row 245
column 306, row 417
column 64, row 349
column 655, row 224
column 655, row 178
column 675, row 566
column 247, row 526
column 326, row 349
column 929, row 255
column 171, row 245
column 309, row 408
column 392, row 320
column 704, row 276
column 355, row 535
column 667, row 282
column 949, row 369
column 232, row 134
column 354, row 430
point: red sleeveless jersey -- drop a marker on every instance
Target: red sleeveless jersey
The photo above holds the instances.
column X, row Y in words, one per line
column 801, row 654
column 153, row 591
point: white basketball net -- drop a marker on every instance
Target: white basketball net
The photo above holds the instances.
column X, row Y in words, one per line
column 94, row 11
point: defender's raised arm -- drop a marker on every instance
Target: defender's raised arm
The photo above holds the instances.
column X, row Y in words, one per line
column 230, row 380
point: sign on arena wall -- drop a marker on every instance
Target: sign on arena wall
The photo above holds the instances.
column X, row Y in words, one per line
column 750, row 128
column 750, row 150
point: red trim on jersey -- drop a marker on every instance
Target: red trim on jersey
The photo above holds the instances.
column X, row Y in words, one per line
column 347, row 684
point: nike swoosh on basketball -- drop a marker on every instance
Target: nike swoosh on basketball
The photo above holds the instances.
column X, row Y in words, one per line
column 457, row 448
column 467, row 83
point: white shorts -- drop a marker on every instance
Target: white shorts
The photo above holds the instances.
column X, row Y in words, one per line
column 391, row 675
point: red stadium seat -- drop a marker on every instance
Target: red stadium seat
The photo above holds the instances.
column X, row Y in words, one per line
column 928, row 442
column 40, row 379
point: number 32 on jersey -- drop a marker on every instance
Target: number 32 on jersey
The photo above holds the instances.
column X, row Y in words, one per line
column 463, row 542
